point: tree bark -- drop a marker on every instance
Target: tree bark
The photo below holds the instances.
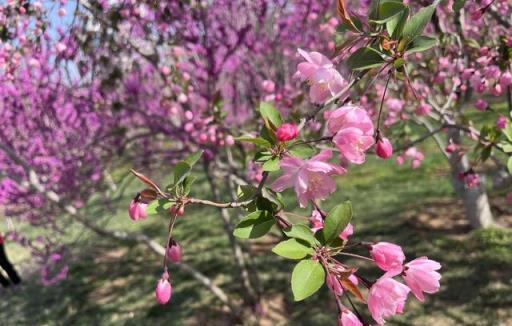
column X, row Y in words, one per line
column 476, row 202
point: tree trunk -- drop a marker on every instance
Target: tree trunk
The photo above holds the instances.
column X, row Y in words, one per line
column 476, row 202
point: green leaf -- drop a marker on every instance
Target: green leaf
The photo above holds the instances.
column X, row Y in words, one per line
column 271, row 165
column 415, row 26
column 159, row 206
column 302, row 150
column 458, row 5
column 509, row 165
column 270, row 113
column 396, row 25
column 308, row 276
column 193, row 158
column 422, row 43
column 398, row 62
column 292, row 249
column 486, row 153
column 181, row 171
column 506, row 146
column 246, row 192
column 508, row 132
column 273, row 197
column 255, row 140
column 262, row 156
column 365, row 58
column 187, row 184
column 336, row 221
column 301, row 231
column 254, row 225
column 388, row 10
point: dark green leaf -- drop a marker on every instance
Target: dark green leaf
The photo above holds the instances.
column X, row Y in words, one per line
column 458, row 5
column 193, row 158
column 365, row 58
column 292, row 249
column 308, row 276
column 270, row 113
column 388, row 10
column 336, row 221
column 187, row 184
column 396, row 25
column 254, row 225
column 422, row 43
column 415, row 26
column 255, row 140
column 273, row 197
column 181, row 171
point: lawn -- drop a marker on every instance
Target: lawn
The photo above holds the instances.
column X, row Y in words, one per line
column 112, row 284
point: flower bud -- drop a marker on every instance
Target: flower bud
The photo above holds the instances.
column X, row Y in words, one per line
column 287, row 131
column 174, row 252
column 163, row 289
column 137, row 210
column 388, row 256
column 334, row 284
column 451, row 148
column 178, row 210
column 384, row 148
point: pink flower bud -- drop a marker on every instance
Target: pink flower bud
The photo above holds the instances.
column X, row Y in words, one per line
column 334, row 284
column 501, row 122
column 163, row 290
column 137, row 210
column 287, row 131
column 388, row 256
column 384, row 148
column 506, row 79
column 230, row 141
column 268, row 86
column 451, row 147
column 177, row 210
column 174, row 252
column 348, row 318
column 348, row 231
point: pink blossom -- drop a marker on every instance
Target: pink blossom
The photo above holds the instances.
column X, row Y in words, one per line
column 287, row 132
column 319, row 71
column 506, row 79
column 451, row 147
column 311, row 179
column 347, row 232
column 163, row 289
column 471, row 179
column 501, row 122
column 137, row 210
column 334, row 284
column 316, row 221
column 384, row 149
column 174, row 252
column 509, row 198
column 386, row 298
column 348, row 318
column 423, row 108
column 421, row 276
column 350, row 116
column 268, row 86
column 481, row 104
column 352, row 144
column 388, row 256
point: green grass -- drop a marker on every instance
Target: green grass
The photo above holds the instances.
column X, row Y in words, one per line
column 112, row 284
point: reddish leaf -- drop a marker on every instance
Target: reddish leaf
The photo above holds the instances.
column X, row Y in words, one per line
column 348, row 285
column 146, row 180
column 148, row 195
column 343, row 12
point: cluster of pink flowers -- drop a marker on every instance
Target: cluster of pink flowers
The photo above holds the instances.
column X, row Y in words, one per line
column 414, row 155
column 311, row 179
column 470, row 178
column 320, row 73
column 353, row 132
